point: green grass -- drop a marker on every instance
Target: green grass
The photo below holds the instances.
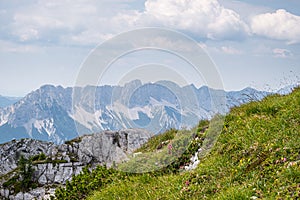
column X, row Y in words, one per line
column 159, row 157
column 157, row 140
column 257, row 154
column 156, row 156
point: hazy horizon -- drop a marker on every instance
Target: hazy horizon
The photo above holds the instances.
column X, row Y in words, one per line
column 143, row 83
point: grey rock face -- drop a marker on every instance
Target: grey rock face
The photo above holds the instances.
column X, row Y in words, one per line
column 38, row 194
column 65, row 160
column 49, row 173
column 111, row 146
column 10, row 152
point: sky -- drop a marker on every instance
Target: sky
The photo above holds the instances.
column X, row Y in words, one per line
column 253, row 43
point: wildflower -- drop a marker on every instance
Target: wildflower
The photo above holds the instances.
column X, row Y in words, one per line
column 187, row 183
column 291, row 164
column 170, row 147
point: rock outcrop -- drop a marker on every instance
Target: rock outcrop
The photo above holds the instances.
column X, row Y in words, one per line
column 61, row 162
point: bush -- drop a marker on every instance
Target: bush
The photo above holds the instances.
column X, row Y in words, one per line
column 23, row 179
column 87, row 181
column 39, row 157
column 10, row 182
column 26, row 172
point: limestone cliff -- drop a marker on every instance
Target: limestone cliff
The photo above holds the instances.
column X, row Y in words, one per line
column 61, row 162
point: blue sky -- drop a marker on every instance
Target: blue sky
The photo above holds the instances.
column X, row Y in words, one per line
column 253, row 43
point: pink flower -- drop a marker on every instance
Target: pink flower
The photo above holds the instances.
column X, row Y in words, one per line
column 170, row 147
column 187, row 183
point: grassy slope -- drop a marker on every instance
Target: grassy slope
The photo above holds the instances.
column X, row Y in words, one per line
column 256, row 155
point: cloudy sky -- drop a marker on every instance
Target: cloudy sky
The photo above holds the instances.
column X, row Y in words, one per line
column 252, row 42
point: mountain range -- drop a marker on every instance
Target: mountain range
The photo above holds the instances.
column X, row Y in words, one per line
column 56, row 114
column 7, row 101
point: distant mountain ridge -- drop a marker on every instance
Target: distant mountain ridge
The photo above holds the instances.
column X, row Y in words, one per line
column 7, row 101
column 57, row 114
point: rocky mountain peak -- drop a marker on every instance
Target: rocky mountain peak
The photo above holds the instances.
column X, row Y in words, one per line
column 57, row 114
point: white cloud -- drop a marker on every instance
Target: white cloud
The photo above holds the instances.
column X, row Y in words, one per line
column 222, row 49
column 280, row 25
column 61, row 21
column 91, row 21
column 230, row 50
column 282, row 53
column 89, row 37
column 9, row 47
column 204, row 18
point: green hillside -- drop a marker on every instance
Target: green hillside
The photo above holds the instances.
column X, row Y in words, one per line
column 256, row 156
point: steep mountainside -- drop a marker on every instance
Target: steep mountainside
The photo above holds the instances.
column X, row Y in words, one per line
column 57, row 114
column 257, row 156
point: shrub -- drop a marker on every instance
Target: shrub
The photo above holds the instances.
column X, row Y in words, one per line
column 26, row 172
column 87, row 181
column 39, row 157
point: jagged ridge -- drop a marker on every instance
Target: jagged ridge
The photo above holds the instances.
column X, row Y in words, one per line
column 58, row 114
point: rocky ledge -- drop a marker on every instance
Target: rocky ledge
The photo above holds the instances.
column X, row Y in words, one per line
column 55, row 164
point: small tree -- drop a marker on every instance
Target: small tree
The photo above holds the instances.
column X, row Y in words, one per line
column 26, row 172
